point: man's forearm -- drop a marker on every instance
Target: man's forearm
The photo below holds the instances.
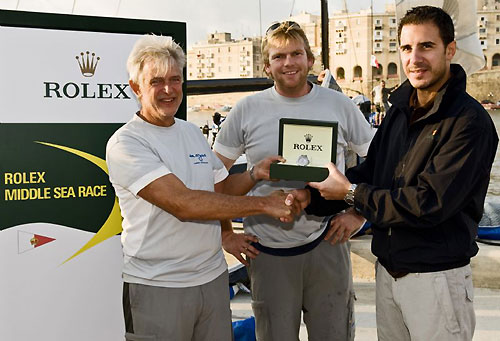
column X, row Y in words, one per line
column 239, row 183
column 202, row 205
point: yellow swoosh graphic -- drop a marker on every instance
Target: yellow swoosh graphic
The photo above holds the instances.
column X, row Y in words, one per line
column 113, row 225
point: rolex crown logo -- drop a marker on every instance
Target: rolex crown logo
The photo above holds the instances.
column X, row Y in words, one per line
column 88, row 63
column 308, row 137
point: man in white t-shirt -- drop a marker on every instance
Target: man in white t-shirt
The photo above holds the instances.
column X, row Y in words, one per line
column 164, row 174
column 297, row 270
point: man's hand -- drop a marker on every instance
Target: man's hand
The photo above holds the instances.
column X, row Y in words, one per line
column 335, row 186
column 276, row 206
column 239, row 244
column 299, row 199
column 321, row 76
column 344, row 225
column 261, row 169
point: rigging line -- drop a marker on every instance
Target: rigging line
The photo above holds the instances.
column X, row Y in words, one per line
column 17, row 6
column 118, row 8
column 352, row 39
column 73, row 9
column 293, row 5
column 260, row 19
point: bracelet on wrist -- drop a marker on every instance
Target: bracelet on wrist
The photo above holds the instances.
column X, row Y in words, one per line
column 252, row 175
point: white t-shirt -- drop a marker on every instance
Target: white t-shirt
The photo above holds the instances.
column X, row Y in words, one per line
column 377, row 94
column 252, row 128
column 158, row 248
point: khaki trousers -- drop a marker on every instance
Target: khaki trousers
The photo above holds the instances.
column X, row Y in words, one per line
column 178, row 314
column 317, row 283
column 425, row 306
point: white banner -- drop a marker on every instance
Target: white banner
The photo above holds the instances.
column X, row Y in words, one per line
column 63, row 93
column 43, row 81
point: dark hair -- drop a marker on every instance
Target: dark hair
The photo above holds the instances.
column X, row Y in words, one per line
column 425, row 14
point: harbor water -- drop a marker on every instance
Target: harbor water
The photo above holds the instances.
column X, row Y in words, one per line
column 494, row 188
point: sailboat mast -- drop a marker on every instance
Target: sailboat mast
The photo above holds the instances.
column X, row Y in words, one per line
column 324, row 35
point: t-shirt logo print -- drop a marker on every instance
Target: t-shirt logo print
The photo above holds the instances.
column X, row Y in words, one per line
column 198, row 158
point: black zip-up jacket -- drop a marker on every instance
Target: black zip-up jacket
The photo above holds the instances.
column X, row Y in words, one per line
column 423, row 185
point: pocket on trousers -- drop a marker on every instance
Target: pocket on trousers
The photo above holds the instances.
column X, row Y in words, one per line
column 351, row 321
column 445, row 303
column 261, row 319
column 469, row 286
column 136, row 337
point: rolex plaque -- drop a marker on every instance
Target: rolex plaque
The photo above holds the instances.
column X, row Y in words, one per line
column 307, row 146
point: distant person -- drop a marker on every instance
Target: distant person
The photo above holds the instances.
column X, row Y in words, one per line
column 217, row 122
column 205, row 130
column 170, row 189
column 381, row 97
column 422, row 186
column 297, row 270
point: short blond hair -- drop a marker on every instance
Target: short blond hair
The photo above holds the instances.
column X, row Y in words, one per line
column 281, row 36
column 163, row 51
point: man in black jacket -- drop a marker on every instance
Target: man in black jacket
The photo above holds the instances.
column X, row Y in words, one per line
column 422, row 186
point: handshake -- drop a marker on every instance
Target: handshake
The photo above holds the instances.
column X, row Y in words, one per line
column 287, row 205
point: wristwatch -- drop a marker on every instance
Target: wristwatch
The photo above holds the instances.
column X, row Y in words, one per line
column 251, row 173
column 349, row 197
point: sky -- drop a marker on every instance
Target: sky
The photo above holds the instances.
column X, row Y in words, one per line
column 239, row 17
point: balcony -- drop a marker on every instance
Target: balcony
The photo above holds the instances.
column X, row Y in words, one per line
column 482, row 23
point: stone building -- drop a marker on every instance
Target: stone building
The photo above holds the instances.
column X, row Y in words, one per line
column 221, row 57
column 357, row 41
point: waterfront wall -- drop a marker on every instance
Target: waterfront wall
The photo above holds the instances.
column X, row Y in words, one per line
column 484, row 85
column 481, row 85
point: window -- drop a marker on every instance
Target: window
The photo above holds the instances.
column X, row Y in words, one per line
column 498, row 29
column 358, row 44
column 377, row 72
column 229, row 68
column 497, row 41
column 358, row 72
column 392, row 70
column 218, row 49
column 496, row 60
column 229, row 49
column 340, row 73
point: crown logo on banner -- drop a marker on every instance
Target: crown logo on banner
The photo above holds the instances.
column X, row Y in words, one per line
column 88, row 63
column 308, row 137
